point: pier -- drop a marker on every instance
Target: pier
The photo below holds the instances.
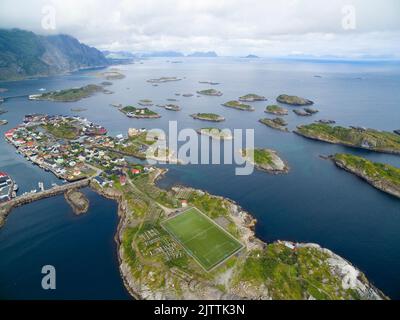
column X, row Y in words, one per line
column 6, row 207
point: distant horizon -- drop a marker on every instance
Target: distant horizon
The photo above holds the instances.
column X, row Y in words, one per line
column 347, row 29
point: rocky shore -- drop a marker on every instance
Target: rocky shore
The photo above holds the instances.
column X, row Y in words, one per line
column 381, row 176
column 77, row 200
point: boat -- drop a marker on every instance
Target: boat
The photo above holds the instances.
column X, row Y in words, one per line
column 15, row 187
column 42, row 89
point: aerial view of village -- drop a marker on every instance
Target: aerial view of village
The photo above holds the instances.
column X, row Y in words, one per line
column 142, row 167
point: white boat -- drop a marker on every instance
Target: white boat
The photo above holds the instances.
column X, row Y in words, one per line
column 42, row 89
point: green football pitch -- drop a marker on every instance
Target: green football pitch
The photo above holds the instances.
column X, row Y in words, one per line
column 202, row 238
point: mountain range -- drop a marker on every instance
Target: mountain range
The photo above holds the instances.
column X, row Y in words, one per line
column 25, row 54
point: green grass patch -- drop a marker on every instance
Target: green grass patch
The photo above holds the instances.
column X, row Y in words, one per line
column 202, row 238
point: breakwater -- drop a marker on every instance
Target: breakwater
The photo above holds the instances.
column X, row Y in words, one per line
column 6, row 207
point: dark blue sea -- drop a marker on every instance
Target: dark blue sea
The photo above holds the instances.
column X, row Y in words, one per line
column 315, row 202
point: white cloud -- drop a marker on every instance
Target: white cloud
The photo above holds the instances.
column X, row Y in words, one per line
column 231, row 27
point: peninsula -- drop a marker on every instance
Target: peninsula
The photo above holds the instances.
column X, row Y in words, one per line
column 208, row 117
column 382, row 176
column 265, row 160
column 356, row 137
column 293, row 100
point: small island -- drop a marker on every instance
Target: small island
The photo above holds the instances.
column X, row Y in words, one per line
column 146, row 102
column 356, row 137
column 265, row 160
column 171, row 107
column 210, row 92
column 294, row 100
column 238, row 105
column 163, row 80
column 77, row 200
column 277, row 110
column 216, row 133
column 302, row 113
column 69, row 95
column 112, row 74
column 382, row 176
column 209, row 82
column 251, row 97
column 276, row 123
column 141, row 113
column 208, row 117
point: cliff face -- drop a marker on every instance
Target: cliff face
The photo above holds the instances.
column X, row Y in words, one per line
column 25, row 54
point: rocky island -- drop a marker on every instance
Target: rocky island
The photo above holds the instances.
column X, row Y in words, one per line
column 276, row 123
column 293, row 100
column 251, row 97
column 69, row 95
column 356, row 137
column 216, row 133
column 208, row 117
column 238, row 105
column 142, row 113
column 265, row 160
column 112, row 74
column 77, row 200
column 163, row 80
column 382, row 176
column 210, row 92
column 277, row 110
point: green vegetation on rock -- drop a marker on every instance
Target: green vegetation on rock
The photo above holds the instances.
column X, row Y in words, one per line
column 293, row 274
column 238, row 105
column 210, row 92
column 382, row 176
column 293, row 100
column 379, row 141
column 277, row 110
column 70, row 95
column 208, row 117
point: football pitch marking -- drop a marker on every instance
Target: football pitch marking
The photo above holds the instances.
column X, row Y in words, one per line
column 196, row 246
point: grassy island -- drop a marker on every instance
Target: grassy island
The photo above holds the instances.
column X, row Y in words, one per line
column 276, row 123
column 251, row 97
column 293, row 100
column 69, row 95
column 265, row 160
column 382, row 176
column 238, row 105
column 216, row 133
column 208, row 117
column 277, row 110
column 370, row 139
column 134, row 112
column 210, row 92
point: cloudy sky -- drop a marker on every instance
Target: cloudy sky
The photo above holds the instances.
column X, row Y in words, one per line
column 345, row 28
